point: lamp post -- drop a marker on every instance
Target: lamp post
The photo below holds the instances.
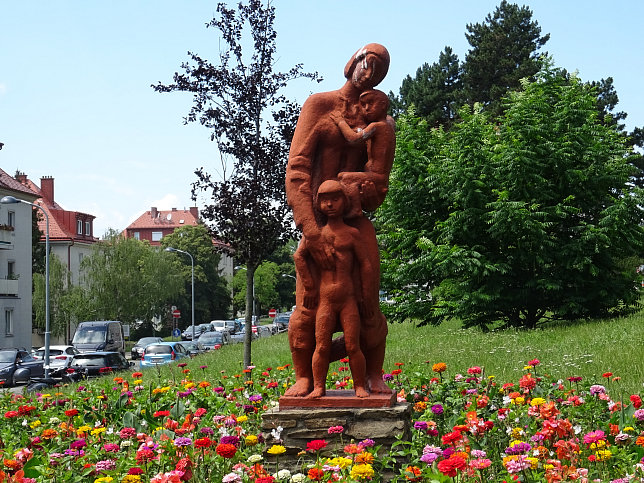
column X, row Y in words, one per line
column 192, row 263
column 8, row 200
column 286, row 275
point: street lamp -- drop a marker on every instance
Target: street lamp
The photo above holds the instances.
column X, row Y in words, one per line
column 192, row 262
column 9, row 200
column 286, row 275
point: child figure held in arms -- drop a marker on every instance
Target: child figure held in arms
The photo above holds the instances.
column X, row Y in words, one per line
column 337, row 297
column 380, row 135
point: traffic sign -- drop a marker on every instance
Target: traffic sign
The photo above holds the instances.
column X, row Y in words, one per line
column 176, row 313
column 272, row 313
column 176, row 332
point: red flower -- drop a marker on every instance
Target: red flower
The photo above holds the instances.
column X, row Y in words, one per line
column 265, row 479
column 636, row 401
column 527, row 382
column 607, row 374
column 534, row 362
column 226, row 450
column 10, row 414
column 70, row 413
column 451, row 465
column 161, row 414
column 203, row 442
column 315, row 474
column 184, row 464
column 316, row 445
column 451, row 438
column 135, row 470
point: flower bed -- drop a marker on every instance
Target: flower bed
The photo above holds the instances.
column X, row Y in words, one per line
column 203, row 426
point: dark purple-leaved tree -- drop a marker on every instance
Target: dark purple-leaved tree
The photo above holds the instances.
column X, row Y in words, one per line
column 239, row 101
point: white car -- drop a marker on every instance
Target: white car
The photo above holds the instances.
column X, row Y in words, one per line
column 59, row 355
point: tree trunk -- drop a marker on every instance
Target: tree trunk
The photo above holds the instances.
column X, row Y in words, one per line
column 248, row 333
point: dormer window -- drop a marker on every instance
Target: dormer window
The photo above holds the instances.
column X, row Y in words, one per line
column 79, row 227
column 88, row 228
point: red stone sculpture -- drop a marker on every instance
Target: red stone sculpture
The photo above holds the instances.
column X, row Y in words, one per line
column 346, row 136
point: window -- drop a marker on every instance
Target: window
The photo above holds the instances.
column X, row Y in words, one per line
column 8, row 321
column 11, row 269
column 157, row 235
column 137, row 235
column 11, row 218
column 88, row 228
column 79, row 227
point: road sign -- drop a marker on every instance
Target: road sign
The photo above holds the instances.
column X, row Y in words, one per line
column 176, row 332
column 176, row 313
column 272, row 313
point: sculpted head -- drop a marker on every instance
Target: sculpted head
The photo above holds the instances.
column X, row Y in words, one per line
column 368, row 66
column 374, row 104
column 331, row 199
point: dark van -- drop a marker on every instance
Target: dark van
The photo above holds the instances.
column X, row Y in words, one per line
column 102, row 335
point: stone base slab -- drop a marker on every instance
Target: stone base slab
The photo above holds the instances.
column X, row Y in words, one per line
column 339, row 398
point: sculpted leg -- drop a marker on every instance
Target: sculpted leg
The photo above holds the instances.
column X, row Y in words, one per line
column 324, row 326
column 301, row 337
column 373, row 341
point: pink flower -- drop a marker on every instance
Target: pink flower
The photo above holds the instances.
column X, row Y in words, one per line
column 594, row 436
column 336, row 430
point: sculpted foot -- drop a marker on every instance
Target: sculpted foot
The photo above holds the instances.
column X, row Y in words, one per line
column 300, row 388
column 317, row 392
column 378, row 386
column 361, row 392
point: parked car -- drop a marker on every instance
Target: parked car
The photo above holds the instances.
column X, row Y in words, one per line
column 214, row 339
column 199, row 329
column 59, row 355
column 281, row 320
column 233, row 326
column 101, row 335
column 194, row 347
column 163, row 353
column 18, row 365
column 93, row 364
column 260, row 330
column 137, row 349
column 220, row 325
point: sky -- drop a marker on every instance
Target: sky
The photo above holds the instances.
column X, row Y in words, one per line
column 75, row 76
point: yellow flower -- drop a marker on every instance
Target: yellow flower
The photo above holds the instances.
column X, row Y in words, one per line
column 517, row 432
column 242, row 419
column 518, row 400
column 136, row 383
column 598, row 445
column 251, row 440
column 97, row 431
column 533, row 462
column 104, row 479
column 131, row 479
column 189, row 385
column 515, row 442
column 276, row 449
column 83, row 429
column 100, row 397
column 629, row 428
column 537, row 401
column 603, row 454
column 340, row 461
column 35, row 424
column 362, row 472
column 46, row 396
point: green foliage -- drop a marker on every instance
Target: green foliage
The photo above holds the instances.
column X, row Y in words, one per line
column 267, row 277
column 212, row 296
column 504, row 51
column 125, row 279
column 519, row 220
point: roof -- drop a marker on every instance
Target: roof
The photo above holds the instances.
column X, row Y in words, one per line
column 10, row 183
column 61, row 221
column 173, row 218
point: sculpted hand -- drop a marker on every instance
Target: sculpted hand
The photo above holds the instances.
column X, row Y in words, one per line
column 310, row 299
column 321, row 252
column 369, row 196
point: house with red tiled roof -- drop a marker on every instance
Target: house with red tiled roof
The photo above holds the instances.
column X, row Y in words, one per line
column 15, row 264
column 71, row 233
column 155, row 224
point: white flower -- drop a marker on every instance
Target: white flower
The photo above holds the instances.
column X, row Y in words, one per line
column 24, row 422
column 255, row 458
column 298, row 478
column 54, row 420
column 125, row 443
column 283, row 474
column 277, row 432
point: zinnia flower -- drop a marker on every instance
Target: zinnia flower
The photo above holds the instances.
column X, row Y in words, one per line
column 226, row 450
column 276, row 449
column 439, row 367
column 316, row 445
column 451, row 465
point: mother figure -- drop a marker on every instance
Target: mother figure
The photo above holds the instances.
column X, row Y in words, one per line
column 319, row 152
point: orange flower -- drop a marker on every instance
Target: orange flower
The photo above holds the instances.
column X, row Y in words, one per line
column 12, row 464
column 439, row 367
column 49, row 434
column 639, row 441
column 364, row 458
column 413, row 473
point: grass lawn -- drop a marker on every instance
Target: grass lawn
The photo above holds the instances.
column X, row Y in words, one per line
column 587, row 349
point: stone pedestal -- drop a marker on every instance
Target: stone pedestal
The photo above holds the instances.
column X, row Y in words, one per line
column 303, row 424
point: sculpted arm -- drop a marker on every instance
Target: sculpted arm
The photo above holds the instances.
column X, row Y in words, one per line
column 298, row 180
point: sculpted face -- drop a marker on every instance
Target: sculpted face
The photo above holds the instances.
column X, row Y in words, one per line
column 331, row 199
column 367, row 67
